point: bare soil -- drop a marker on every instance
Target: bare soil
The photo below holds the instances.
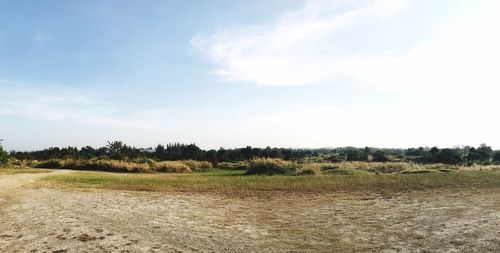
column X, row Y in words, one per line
column 57, row 220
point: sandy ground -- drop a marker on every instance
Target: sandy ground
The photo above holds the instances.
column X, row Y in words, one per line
column 53, row 220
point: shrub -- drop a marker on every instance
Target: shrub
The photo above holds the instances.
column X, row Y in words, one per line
column 171, row 167
column 3, row 156
column 270, row 166
column 380, row 156
column 309, row 169
column 50, row 164
column 198, row 165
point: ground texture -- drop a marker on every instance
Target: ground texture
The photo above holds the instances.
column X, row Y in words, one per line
column 40, row 219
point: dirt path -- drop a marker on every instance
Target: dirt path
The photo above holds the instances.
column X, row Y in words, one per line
column 53, row 220
column 10, row 183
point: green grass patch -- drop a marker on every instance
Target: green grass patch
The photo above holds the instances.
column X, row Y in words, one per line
column 417, row 171
column 231, row 181
column 346, row 172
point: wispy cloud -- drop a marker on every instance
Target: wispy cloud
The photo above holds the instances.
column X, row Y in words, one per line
column 39, row 36
column 56, row 103
column 301, row 47
column 356, row 39
column 461, row 62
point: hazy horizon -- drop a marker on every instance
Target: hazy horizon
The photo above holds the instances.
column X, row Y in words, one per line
column 283, row 73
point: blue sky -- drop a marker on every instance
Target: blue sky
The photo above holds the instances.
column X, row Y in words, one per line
column 287, row 73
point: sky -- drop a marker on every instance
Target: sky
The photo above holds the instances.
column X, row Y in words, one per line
column 222, row 73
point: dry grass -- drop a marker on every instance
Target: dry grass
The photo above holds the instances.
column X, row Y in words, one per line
column 396, row 167
column 270, row 166
column 11, row 170
column 149, row 166
column 171, row 167
column 197, row 165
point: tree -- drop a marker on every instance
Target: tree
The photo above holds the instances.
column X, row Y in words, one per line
column 448, row 156
column 496, row 156
column 485, row 153
column 380, row 156
column 211, row 156
column 115, row 149
column 354, row 154
column 3, row 155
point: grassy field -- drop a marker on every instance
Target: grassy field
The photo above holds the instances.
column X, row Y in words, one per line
column 236, row 181
column 10, row 171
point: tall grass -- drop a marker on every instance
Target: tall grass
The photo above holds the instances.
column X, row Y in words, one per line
column 171, row 167
column 124, row 166
column 270, row 166
column 258, row 166
column 396, row 167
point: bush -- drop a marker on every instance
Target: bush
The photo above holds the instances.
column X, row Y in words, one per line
column 50, row 164
column 309, row 169
column 270, row 166
column 3, row 156
column 380, row 156
column 198, row 165
column 171, row 167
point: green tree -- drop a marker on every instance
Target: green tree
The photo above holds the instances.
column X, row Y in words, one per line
column 449, row 156
column 485, row 152
column 3, row 155
column 496, row 156
column 380, row 156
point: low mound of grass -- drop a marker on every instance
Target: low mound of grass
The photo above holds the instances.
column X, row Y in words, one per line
column 416, row 171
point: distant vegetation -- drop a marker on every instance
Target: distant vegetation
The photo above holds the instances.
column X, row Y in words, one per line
column 174, row 152
column 187, row 158
column 3, row 155
column 186, row 166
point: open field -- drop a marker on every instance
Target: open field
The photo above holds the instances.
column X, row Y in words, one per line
column 236, row 182
column 225, row 211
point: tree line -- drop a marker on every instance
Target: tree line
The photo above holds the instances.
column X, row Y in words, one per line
column 176, row 151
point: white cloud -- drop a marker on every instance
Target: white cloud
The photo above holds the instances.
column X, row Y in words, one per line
column 327, row 39
column 300, row 48
column 461, row 62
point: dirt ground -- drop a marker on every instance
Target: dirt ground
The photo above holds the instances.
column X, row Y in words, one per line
column 55, row 220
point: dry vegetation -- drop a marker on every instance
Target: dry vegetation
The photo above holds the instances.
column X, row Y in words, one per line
column 17, row 170
column 147, row 166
